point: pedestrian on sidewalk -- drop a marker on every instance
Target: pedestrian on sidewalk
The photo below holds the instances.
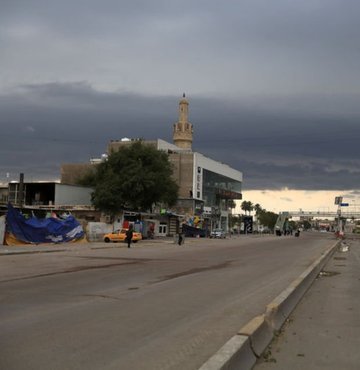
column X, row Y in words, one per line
column 129, row 235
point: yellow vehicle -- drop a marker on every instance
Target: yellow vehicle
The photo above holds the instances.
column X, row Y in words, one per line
column 120, row 235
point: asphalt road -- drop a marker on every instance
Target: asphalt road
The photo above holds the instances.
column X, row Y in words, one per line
column 154, row 306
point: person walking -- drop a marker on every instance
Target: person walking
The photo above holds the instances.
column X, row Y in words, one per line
column 181, row 239
column 129, row 235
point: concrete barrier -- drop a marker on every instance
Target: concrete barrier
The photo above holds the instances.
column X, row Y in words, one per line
column 280, row 308
column 243, row 349
column 259, row 332
column 236, row 353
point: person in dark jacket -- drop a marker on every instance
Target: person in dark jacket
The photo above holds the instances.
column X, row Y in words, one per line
column 129, row 235
column 181, row 239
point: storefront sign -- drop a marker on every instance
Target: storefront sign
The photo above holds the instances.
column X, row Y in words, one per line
column 228, row 194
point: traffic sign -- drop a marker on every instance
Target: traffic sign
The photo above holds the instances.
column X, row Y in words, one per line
column 338, row 200
column 344, row 204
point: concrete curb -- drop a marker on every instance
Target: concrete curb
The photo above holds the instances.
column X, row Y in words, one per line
column 259, row 332
column 242, row 350
column 236, row 353
column 280, row 308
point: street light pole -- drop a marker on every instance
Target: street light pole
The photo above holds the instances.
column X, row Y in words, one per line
column 338, row 201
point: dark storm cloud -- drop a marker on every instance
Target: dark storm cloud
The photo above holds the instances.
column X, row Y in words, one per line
column 145, row 46
column 273, row 88
column 46, row 125
column 277, row 149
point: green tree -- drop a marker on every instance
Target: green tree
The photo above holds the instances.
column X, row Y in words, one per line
column 258, row 209
column 268, row 219
column 134, row 177
column 247, row 206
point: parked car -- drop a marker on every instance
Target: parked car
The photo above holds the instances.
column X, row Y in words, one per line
column 218, row 233
column 120, row 235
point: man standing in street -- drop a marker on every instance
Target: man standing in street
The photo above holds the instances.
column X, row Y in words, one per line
column 129, row 235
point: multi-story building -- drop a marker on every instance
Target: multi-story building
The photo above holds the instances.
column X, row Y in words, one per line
column 207, row 188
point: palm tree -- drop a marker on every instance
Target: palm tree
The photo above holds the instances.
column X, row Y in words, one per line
column 258, row 209
column 247, row 206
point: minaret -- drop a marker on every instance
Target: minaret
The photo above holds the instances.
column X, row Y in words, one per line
column 183, row 130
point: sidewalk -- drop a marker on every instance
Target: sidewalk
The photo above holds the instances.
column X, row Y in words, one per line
column 323, row 332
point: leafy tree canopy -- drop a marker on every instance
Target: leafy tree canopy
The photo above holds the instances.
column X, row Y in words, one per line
column 268, row 219
column 258, row 209
column 247, row 206
column 134, row 177
column 265, row 218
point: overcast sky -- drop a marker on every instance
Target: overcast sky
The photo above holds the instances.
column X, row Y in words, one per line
column 273, row 87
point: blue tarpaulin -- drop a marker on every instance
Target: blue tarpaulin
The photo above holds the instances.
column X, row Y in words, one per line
column 42, row 230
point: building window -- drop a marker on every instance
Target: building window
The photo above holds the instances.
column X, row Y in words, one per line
column 216, row 187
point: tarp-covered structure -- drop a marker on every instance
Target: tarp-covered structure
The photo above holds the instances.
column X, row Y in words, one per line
column 33, row 230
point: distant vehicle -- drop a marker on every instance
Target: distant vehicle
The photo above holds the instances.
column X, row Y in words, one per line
column 120, row 235
column 218, row 233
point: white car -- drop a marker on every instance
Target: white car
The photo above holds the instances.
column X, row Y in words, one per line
column 218, row 233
